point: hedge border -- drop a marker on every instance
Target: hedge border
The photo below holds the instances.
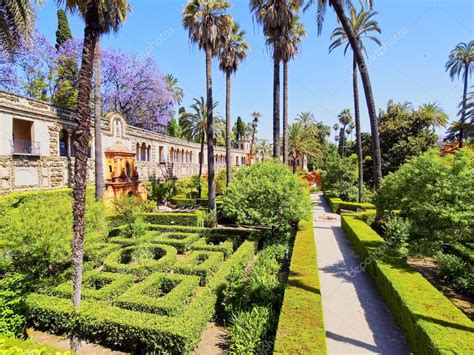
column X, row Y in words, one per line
column 112, row 264
column 181, row 245
column 301, row 325
column 227, row 246
column 336, row 204
column 431, row 323
column 136, row 299
column 204, row 269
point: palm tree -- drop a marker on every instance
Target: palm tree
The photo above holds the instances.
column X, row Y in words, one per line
column 335, row 127
column 98, row 153
column 461, row 61
column 233, row 51
column 338, row 6
column 194, row 126
column 254, row 124
column 100, row 16
column 363, row 26
column 344, row 118
column 173, row 87
column 301, row 143
column 289, row 44
column 264, row 149
column 17, row 23
column 438, row 117
column 306, row 119
column 276, row 17
column 208, row 26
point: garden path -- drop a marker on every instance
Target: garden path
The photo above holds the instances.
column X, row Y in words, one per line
column 355, row 317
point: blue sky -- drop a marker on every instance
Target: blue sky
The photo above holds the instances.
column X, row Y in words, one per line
column 419, row 34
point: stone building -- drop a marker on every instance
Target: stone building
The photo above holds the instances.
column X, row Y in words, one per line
column 37, row 147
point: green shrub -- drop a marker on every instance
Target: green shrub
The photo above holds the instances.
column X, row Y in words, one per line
column 162, row 190
column 453, row 269
column 181, row 241
column 98, row 285
column 299, row 330
column 397, row 234
column 164, row 294
column 266, row 194
column 141, row 259
column 12, row 306
column 432, row 324
column 129, row 213
column 173, row 218
column 201, row 263
column 209, row 219
column 220, row 243
column 435, row 194
column 248, row 332
column 17, row 346
column 340, row 177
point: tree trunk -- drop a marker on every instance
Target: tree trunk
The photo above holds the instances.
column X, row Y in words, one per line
column 294, row 165
column 357, row 127
column 228, row 160
column 201, row 161
column 81, row 144
column 285, row 112
column 99, row 162
column 464, row 103
column 251, row 145
column 276, row 103
column 210, row 135
column 369, row 97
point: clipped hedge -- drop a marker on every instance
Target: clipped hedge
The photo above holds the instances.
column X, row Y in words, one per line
column 181, row 241
column 164, row 294
column 201, row 263
column 336, row 204
column 432, row 323
column 222, row 243
column 182, row 219
column 123, row 261
column 98, row 285
column 301, row 326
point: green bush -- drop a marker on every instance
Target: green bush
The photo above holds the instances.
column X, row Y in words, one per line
column 435, row 194
column 453, row 269
column 129, row 214
column 248, row 332
column 201, row 263
column 266, row 194
column 432, row 324
column 141, row 259
column 17, row 346
column 183, row 219
column 340, row 177
column 162, row 190
column 164, row 294
column 220, row 243
column 299, row 330
column 12, row 306
column 98, row 285
column 397, row 234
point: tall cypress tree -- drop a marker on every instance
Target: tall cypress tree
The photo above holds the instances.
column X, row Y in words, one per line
column 63, row 32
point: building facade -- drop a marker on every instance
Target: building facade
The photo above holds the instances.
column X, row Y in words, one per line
column 37, row 147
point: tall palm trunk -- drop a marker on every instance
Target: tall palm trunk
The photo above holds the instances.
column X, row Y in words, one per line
column 228, row 160
column 464, row 103
column 201, row 161
column 357, row 127
column 210, row 135
column 81, row 144
column 285, row 112
column 294, row 165
column 99, row 162
column 251, row 145
column 369, row 97
column 276, row 102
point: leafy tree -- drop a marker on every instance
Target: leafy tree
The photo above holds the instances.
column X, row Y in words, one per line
column 239, row 128
column 340, row 177
column 63, row 33
column 208, row 26
column 404, row 134
column 339, row 8
column 257, row 189
column 263, row 149
column 435, row 194
column 232, row 52
column 461, row 62
column 363, row 26
column 289, row 44
column 17, row 20
column 173, row 129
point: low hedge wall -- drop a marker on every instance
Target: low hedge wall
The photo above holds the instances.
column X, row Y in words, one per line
column 201, row 263
column 430, row 321
column 336, row 204
column 164, row 294
column 220, row 243
column 182, row 219
column 301, row 326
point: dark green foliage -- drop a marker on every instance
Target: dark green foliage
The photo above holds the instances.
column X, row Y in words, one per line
column 248, row 332
column 162, row 190
column 173, row 129
column 432, row 324
column 220, row 243
column 141, row 259
column 397, row 234
column 340, row 177
column 12, row 306
column 266, row 194
column 63, row 32
column 164, row 294
column 201, row 263
column 456, row 271
column 403, row 134
column 435, row 194
column 129, row 213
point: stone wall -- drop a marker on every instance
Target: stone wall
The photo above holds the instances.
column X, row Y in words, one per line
column 46, row 168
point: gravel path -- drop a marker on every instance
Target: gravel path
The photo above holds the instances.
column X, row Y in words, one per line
column 355, row 316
